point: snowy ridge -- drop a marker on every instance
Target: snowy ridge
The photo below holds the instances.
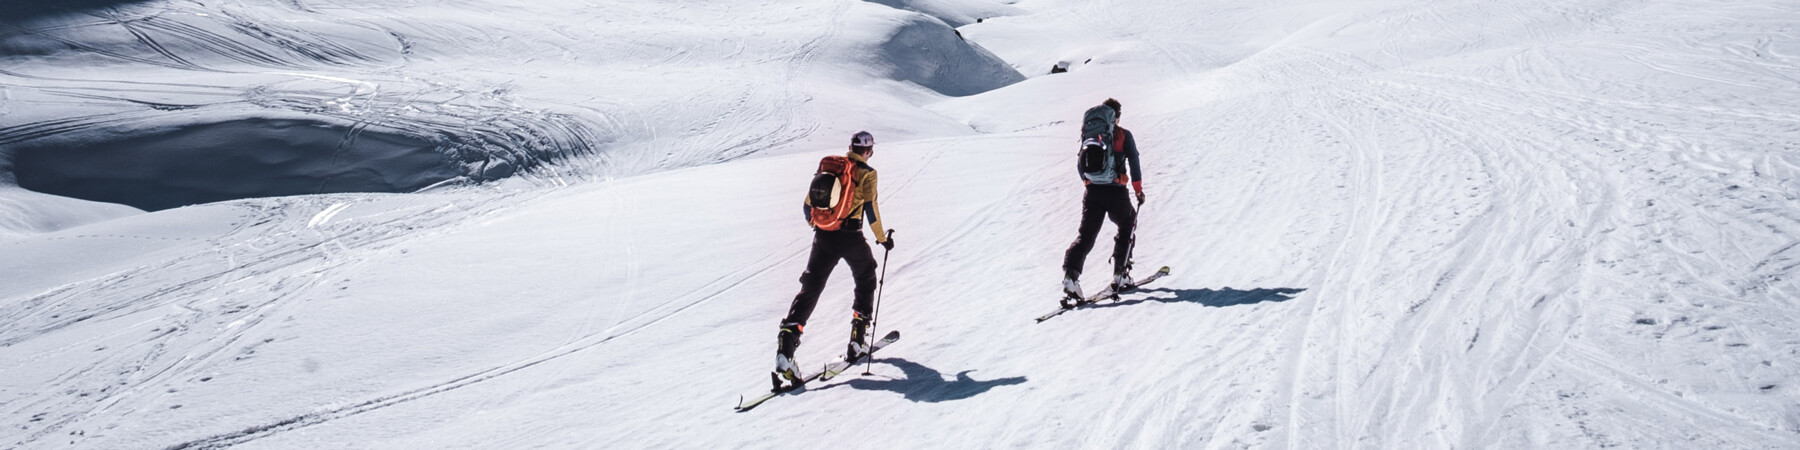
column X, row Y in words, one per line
column 1518, row 224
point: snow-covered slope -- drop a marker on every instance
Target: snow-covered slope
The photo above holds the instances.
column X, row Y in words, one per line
column 1392, row 224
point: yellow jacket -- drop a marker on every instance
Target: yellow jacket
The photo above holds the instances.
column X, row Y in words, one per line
column 865, row 196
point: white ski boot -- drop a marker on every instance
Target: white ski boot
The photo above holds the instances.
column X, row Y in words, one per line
column 1122, row 282
column 1071, row 292
column 785, row 369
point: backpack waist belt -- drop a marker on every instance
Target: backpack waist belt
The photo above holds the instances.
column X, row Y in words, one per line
column 848, row 226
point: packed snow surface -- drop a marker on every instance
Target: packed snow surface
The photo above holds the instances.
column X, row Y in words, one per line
column 571, row 224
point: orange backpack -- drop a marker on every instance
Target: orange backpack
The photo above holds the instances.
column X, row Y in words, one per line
column 833, row 192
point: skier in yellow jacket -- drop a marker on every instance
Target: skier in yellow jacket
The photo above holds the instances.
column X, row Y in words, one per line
column 844, row 243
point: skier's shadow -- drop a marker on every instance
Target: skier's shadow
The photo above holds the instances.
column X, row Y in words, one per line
column 924, row 384
column 1217, row 298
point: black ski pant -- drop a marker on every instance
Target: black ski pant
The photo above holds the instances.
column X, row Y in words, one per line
column 1103, row 201
column 828, row 247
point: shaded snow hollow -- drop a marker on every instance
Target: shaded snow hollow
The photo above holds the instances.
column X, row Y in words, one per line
column 232, row 160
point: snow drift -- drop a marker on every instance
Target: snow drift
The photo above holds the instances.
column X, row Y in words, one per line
column 955, row 13
column 24, row 213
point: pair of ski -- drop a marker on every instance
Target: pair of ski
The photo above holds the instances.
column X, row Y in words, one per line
column 838, row 367
column 830, row 371
column 1108, row 293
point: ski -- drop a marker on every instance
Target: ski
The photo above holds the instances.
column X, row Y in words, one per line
column 832, row 369
column 838, row 367
column 1107, row 293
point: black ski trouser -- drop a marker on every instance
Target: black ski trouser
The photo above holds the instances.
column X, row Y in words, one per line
column 828, row 247
column 1101, row 202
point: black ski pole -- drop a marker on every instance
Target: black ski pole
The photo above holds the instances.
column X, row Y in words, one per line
column 1137, row 221
column 880, row 285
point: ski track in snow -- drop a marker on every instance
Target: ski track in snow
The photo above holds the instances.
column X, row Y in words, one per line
column 1450, row 224
column 215, row 295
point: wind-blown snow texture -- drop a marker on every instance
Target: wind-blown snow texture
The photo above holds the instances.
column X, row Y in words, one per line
column 1515, row 224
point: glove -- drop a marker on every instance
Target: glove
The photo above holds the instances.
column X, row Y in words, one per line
column 887, row 244
column 1139, row 187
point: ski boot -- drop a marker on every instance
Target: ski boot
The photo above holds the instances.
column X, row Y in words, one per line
column 1122, row 279
column 1071, row 291
column 859, row 338
column 1121, row 282
column 785, row 367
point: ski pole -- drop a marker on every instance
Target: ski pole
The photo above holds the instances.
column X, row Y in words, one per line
column 880, row 285
column 1137, row 221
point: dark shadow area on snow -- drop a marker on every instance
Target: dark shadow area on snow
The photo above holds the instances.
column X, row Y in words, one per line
column 1217, row 298
column 932, row 55
column 924, row 384
column 18, row 12
column 230, row 160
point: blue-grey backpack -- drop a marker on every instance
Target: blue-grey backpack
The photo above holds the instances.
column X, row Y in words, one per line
column 1095, row 159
